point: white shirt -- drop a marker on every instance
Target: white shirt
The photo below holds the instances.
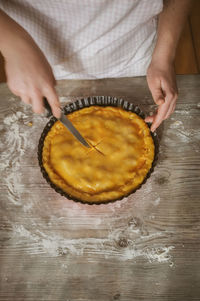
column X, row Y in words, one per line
column 89, row 39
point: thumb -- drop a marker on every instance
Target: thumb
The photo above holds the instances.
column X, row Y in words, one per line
column 156, row 91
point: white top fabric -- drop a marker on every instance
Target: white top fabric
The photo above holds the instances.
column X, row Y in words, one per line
column 88, row 39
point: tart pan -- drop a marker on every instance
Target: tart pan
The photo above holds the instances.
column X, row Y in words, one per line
column 87, row 102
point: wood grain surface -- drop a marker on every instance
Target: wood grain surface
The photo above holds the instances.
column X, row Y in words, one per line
column 145, row 247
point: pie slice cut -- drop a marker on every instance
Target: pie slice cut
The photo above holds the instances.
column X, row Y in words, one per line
column 120, row 157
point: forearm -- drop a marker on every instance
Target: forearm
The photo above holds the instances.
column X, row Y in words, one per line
column 170, row 24
column 11, row 34
column 161, row 76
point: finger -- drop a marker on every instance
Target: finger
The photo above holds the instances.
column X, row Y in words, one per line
column 156, row 91
column 165, row 110
column 53, row 100
column 172, row 98
column 171, row 95
column 149, row 119
column 174, row 107
column 170, row 110
column 26, row 99
column 170, row 90
column 159, row 117
column 37, row 103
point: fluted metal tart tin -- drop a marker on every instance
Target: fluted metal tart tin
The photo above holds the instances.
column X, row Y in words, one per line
column 87, row 102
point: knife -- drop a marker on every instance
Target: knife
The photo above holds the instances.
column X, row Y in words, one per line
column 67, row 123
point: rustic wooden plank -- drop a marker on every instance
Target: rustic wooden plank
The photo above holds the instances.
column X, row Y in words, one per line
column 145, row 247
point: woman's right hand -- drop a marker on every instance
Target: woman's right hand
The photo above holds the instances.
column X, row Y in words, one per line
column 28, row 72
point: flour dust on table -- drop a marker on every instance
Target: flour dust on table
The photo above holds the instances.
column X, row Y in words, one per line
column 55, row 226
column 179, row 132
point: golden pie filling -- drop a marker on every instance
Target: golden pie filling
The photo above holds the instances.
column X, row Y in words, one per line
column 121, row 154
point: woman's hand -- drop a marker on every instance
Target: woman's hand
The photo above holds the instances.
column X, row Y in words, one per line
column 160, row 74
column 30, row 76
column 28, row 72
column 162, row 84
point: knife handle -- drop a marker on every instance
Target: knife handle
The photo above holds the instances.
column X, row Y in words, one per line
column 47, row 107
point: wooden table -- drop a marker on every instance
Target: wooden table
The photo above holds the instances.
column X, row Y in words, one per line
column 145, row 247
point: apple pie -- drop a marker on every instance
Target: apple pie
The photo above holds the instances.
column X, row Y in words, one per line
column 120, row 157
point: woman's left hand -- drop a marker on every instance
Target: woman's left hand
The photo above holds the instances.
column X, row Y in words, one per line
column 161, row 80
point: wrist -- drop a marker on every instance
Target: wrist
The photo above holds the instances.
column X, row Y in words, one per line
column 163, row 57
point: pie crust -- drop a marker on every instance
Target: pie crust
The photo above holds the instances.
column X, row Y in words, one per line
column 120, row 157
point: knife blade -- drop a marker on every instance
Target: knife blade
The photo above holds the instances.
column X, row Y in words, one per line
column 67, row 123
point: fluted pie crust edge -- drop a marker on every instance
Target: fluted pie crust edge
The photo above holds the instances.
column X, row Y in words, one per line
column 121, row 156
